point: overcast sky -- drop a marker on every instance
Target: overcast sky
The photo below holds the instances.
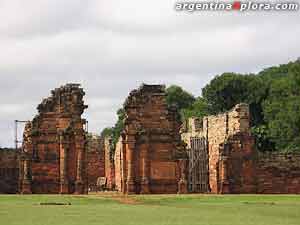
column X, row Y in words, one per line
column 111, row 47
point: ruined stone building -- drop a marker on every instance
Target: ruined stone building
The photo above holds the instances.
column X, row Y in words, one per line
column 154, row 154
column 223, row 158
column 54, row 146
column 150, row 156
column 95, row 160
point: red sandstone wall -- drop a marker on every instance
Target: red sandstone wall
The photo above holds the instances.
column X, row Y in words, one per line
column 53, row 151
column 151, row 145
column 9, row 170
column 278, row 173
column 234, row 164
column 238, row 158
column 95, row 160
column 217, row 130
column 230, row 149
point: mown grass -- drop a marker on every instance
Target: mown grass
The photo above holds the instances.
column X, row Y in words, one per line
column 150, row 209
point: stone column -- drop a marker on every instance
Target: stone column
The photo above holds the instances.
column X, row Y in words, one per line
column 123, row 164
column 224, row 189
column 26, row 181
column 182, row 184
column 79, row 184
column 130, row 167
column 63, row 149
column 145, row 170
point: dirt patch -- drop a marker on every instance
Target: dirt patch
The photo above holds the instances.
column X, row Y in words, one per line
column 126, row 200
column 116, row 196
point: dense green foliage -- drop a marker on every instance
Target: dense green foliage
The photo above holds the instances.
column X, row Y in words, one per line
column 274, row 99
column 282, row 110
column 179, row 97
column 199, row 108
column 272, row 94
column 150, row 210
column 115, row 132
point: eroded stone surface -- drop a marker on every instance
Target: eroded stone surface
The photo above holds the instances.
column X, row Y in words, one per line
column 54, row 145
column 95, row 160
column 150, row 156
column 234, row 165
column 9, row 170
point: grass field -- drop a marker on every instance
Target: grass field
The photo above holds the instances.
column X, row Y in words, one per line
column 112, row 209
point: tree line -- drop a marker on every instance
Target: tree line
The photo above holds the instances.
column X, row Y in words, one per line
column 273, row 96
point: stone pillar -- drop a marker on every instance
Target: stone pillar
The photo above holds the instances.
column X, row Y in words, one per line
column 64, row 182
column 182, row 183
column 145, row 171
column 79, row 183
column 224, row 187
column 26, row 181
column 123, row 164
column 130, row 167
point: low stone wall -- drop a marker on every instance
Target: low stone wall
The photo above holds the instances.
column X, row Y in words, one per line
column 278, row 173
column 9, row 170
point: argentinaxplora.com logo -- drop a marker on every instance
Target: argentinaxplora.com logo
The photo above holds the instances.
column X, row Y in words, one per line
column 241, row 6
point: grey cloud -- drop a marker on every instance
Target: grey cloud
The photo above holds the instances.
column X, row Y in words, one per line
column 112, row 47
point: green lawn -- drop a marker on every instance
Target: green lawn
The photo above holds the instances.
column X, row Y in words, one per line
column 150, row 209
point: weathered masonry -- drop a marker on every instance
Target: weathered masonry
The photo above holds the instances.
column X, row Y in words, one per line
column 223, row 159
column 9, row 170
column 54, row 145
column 150, row 156
column 95, row 160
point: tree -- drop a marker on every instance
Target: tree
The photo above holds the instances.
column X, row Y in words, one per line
column 179, row 97
column 115, row 131
column 199, row 109
column 282, row 110
column 107, row 132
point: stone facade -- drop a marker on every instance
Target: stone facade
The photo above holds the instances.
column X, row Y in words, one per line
column 95, row 160
column 234, row 165
column 57, row 155
column 9, row 170
column 150, row 156
column 54, row 145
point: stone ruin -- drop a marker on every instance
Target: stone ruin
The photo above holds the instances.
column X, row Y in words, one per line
column 54, row 145
column 229, row 162
column 95, row 160
column 150, row 156
column 154, row 154
column 9, row 170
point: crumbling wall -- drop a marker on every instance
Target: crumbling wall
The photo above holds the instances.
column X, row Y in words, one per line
column 95, row 160
column 109, row 164
column 234, row 164
column 9, row 170
column 151, row 152
column 230, row 147
column 278, row 173
column 53, row 152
